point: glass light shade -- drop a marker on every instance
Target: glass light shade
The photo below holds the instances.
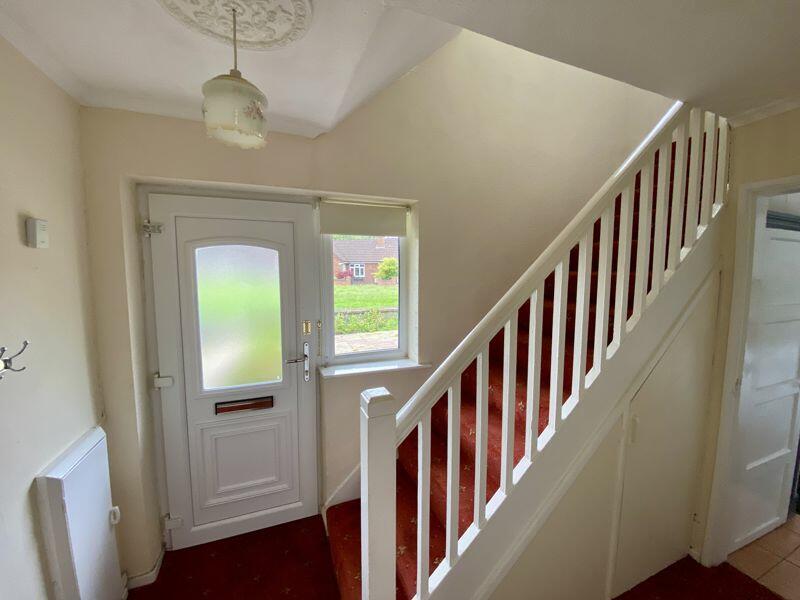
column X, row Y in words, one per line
column 233, row 110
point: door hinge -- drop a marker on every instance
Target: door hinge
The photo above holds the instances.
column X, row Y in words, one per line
column 162, row 381
column 171, row 522
column 149, row 228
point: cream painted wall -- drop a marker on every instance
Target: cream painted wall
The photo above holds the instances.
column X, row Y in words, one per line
column 500, row 148
column 45, row 298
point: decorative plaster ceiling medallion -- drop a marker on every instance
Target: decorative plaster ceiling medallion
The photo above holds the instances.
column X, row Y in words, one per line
column 263, row 24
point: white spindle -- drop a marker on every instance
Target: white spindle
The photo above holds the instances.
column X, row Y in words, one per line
column 643, row 243
column 709, row 169
column 534, row 373
column 423, row 504
column 722, row 166
column 481, row 436
column 662, row 205
column 696, row 134
column 623, row 267
column 509, row 403
column 583, row 290
column 558, row 341
column 453, row 465
column 604, row 259
column 378, row 494
column 678, row 198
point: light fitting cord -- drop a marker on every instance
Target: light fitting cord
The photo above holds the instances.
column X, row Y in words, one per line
column 235, row 53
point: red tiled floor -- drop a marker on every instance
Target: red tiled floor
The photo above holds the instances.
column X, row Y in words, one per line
column 688, row 580
column 286, row 561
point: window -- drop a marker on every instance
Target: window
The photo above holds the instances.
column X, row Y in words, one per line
column 365, row 297
column 364, row 282
column 357, row 269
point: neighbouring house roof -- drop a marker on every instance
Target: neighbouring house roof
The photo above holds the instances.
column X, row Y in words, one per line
column 364, row 250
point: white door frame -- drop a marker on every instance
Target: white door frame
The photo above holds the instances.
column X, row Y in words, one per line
column 308, row 390
column 718, row 536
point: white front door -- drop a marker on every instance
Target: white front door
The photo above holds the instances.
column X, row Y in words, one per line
column 234, row 281
column 768, row 407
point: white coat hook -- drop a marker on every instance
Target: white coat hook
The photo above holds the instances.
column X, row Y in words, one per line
column 6, row 362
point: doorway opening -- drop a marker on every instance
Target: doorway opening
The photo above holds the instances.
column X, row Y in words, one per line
column 764, row 529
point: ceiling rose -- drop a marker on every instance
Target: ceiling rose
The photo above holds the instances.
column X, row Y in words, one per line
column 262, row 24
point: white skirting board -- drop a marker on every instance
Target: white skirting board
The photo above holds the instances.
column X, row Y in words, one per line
column 78, row 521
column 148, row 577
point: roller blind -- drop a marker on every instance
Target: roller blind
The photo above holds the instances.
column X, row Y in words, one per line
column 362, row 219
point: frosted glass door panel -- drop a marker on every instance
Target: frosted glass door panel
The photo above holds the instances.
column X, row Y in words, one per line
column 239, row 315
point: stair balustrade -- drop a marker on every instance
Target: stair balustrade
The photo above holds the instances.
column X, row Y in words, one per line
column 556, row 330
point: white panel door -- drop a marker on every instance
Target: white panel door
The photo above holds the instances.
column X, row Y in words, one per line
column 233, row 280
column 768, row 399
column 666, row 439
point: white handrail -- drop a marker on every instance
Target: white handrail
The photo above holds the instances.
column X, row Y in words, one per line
column 438, row 383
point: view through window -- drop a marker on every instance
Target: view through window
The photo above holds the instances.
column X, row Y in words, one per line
column 366, row 293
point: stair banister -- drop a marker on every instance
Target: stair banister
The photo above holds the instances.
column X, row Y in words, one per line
column 696, row 137
column 437, row 384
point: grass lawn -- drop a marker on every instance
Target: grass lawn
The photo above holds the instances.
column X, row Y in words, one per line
column 364, row 296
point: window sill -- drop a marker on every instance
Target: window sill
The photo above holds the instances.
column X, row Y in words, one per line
column 365, row 368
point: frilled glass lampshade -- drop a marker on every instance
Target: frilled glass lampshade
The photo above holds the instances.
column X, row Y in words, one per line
column 233, row 110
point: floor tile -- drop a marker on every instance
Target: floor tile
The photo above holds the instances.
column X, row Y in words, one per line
column 782, row 541
column 753, row 560
column 793, row 523
column 794, row 557
column 784, row 580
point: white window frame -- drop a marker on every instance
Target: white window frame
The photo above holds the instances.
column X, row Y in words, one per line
column 355, row 267
column 328, row 342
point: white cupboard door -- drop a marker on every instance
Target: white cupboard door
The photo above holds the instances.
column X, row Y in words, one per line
column 241, row 449
column 768, row 398
column 666, row 440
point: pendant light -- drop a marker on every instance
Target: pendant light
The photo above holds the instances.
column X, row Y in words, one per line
column 233, row 108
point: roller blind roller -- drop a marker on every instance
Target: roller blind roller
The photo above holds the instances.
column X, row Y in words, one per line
column 362, row 219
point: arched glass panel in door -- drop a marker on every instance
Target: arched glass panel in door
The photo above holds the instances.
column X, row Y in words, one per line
column 239, row 315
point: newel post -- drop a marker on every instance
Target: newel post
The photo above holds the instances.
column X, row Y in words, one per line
column 378, row 452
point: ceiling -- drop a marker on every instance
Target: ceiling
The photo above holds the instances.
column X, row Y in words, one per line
column 132, row 54
column 740, row 58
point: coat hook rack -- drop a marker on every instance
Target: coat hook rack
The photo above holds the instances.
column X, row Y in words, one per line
column 6, row 362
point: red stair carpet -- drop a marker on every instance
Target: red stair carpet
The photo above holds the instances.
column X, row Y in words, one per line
column 688, row 580
column 286, row 561
column 344, row 519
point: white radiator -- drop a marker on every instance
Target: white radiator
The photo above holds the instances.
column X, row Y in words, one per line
column 78, row 521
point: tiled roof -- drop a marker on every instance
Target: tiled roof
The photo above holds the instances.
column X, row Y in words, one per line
column 365, row 250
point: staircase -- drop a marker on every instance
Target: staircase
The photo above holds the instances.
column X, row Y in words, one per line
column 511, row 410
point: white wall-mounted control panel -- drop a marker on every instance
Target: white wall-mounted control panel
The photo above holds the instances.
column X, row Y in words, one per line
column 37, row 234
